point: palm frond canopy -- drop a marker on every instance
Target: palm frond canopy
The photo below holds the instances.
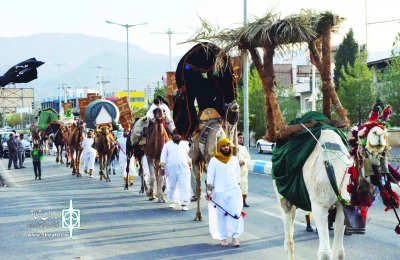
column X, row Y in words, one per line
column 320, row 20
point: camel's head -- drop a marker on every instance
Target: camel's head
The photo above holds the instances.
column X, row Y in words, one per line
column 232, row 112
column 376, row 143
column 158, row 114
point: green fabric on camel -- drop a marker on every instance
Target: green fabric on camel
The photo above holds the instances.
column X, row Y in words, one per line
column 290, row 155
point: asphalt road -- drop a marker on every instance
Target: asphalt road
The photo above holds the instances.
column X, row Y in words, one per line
column 119, row 224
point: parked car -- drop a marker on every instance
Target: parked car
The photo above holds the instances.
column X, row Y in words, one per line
column 6, row 135
column 263, row 145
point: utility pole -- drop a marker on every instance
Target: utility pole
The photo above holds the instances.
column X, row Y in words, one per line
column 245, row 86
column 169, row 32
column 101, row 90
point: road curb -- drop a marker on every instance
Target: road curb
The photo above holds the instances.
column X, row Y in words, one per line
column 258, row 166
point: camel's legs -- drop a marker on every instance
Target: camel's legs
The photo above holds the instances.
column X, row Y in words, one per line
column 288, row 212
column 321, row 221
column 337, row 246
column 150, row 191
column 108, row 166
column 61, row 152
column 160, row 181
column 197, row 174
column 78, row 163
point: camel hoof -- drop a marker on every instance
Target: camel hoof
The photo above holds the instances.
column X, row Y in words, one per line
column 160, row 201
column 126, row 188
column 152, row 198
column 62, row 162
column 198, row 217
column 73, row 173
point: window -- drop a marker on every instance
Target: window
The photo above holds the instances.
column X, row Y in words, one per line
column 308, row 104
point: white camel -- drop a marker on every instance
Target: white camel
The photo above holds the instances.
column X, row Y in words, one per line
column 322, row 195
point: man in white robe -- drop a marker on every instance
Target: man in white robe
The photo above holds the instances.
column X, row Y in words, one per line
column 243, row 157
column 176, row 164
column 88, row 154
column 224, row 196
column 122, row 155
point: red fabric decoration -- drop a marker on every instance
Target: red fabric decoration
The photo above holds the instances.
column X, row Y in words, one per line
column 363, row 212
column 387, row 111
column 374, row 116
column 243, row 214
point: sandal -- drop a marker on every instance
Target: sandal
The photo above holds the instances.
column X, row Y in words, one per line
column 235, row 242
column 224, row 243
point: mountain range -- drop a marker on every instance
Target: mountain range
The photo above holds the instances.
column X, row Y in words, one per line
column 85, row 53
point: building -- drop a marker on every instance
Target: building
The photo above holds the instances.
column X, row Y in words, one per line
column 149, row 94
column 300, row 77
column 137, row 98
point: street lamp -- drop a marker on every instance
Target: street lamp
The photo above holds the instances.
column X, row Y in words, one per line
column 59, row 79
column 169, row 32
column 127, row 26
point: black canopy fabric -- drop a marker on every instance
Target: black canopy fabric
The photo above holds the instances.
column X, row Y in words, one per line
column 196, row 79
column 23, row 72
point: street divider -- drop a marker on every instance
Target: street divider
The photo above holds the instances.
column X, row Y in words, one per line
column 263, row 167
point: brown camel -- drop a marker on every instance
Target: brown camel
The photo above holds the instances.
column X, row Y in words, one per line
column 205, row 143
column 74, row 146
column 156, row 137
column 54, row 132
column 105, row 145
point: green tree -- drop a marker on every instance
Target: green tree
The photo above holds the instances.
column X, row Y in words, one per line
column 346, row 54
column 15, row 120
column 389, row 88
column 161, row 90
column 290, row 106
column 357, row 92
column 139, row 112
column 257, row 120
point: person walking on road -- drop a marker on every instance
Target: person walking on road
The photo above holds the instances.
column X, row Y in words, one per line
column 1, row 148
column 13, row 152
column 37, row 157
column 176, row 165
column 21, row 151
column 88, row 154
column 121, row 142
column 224, row 195
column 243, row 157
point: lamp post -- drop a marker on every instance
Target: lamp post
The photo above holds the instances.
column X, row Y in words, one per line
column 245, row 65
column 127, row 26
column 59, row 82
column 169, row 32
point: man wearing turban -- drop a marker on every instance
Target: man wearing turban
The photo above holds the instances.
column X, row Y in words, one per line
column 223, row 178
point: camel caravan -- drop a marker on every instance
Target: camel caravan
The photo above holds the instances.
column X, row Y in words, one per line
column 313, row 167
column 316, row 167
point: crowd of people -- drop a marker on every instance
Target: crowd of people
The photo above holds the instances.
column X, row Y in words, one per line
column 227, row 175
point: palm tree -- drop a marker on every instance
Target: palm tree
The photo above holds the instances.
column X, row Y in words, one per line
column 268, row 36
column 324, row 24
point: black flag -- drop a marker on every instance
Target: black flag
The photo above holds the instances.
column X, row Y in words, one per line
column 23, row 72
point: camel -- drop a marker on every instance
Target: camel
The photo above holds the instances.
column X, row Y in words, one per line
column 54, row 131
column 105, row 145
column 133, row 148
column 320, row 190
column 74, row 142
column 213, row 129
column 156, row 137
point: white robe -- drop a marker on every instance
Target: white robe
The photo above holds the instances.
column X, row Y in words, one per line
column 176, row 159
column 123, row 163
column 88, row 154
column 226, row 193
column 243, row 155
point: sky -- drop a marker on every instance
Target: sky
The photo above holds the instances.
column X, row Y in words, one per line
column 27, row 17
